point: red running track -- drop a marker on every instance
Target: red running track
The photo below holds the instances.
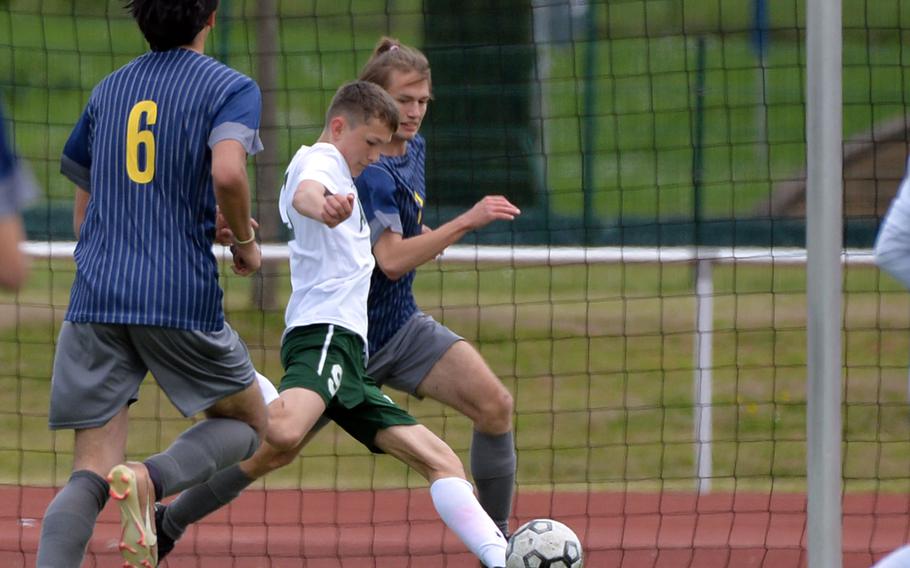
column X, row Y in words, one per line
column 399, row 529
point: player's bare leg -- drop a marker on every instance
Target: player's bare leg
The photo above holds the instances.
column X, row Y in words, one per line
column 230, row 434
column 462, row 380
column 296, row 412
column 422, row 450
column 268, row 458
column 292, row 416
column 99, row 449
column 247, row 406
column 70, row 517
column 452, row 495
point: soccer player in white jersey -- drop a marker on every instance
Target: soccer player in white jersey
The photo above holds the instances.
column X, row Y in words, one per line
column 161, row 141
column 892, row 254
column 324, row 346
column 900, row 558
column 409, row 350
column 892, row 246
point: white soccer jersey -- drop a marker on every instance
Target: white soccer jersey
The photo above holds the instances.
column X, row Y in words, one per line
column 892, row 246
column 330, row 268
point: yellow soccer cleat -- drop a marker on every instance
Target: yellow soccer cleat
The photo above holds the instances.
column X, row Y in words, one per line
column 138, row 542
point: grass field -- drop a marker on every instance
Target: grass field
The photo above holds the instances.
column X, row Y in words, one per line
column 644, row 66
column 599, row 359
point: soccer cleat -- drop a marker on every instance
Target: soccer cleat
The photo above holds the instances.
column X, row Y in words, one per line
column 137, row 531
column 165, row 542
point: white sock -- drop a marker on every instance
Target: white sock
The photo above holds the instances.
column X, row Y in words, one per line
column 455, row 502
column 900, row 558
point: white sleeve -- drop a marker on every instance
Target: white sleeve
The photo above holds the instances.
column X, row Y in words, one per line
column 321, row 168
column 900, row 558
column 286, row 195
column 892, row 245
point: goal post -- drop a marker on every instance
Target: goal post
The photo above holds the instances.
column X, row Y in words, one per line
column 824, row 237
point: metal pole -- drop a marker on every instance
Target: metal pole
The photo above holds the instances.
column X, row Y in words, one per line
column 704, row 336
column 824, row 277
column 704, row 293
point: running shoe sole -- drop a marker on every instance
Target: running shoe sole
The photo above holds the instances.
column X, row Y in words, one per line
column 137, row 530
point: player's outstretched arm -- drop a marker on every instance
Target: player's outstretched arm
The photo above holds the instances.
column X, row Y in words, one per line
column 232, row 193
column 396, row 256
column 313, row 200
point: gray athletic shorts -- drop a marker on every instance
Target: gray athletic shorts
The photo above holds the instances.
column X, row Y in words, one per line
column 98, row 369
column 407, row 358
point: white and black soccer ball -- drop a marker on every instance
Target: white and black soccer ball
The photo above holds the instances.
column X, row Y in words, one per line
column 544, row 543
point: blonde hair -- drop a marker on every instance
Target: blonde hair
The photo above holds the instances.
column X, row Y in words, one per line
column 360, row 101
column 391, row 55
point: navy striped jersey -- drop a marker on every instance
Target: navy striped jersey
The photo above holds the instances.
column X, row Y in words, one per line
column 142, row 148
column 17, row 186
column 393, row 191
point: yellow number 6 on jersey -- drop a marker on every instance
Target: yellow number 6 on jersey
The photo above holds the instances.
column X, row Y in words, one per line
column 136, row 138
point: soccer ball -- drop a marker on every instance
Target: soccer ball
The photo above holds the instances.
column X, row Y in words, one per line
column 544, row 543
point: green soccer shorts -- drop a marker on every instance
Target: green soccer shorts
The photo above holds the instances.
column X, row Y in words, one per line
column 329, row 360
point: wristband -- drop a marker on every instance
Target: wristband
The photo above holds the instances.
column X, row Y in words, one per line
column 248, row 241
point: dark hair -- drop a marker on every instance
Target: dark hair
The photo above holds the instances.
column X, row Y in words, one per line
column 390, row 55
column 167, row 24
column 360, row 101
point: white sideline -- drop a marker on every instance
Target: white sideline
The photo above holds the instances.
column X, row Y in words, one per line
column 546, row 255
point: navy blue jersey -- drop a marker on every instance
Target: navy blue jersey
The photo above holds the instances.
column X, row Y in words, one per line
column 393, row 192
column 142, row 148
column 17, row 186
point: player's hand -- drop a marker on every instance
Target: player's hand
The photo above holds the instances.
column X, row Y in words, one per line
column 337, row 208
column 247, row 258
column 224, row 236
column 491, row 208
